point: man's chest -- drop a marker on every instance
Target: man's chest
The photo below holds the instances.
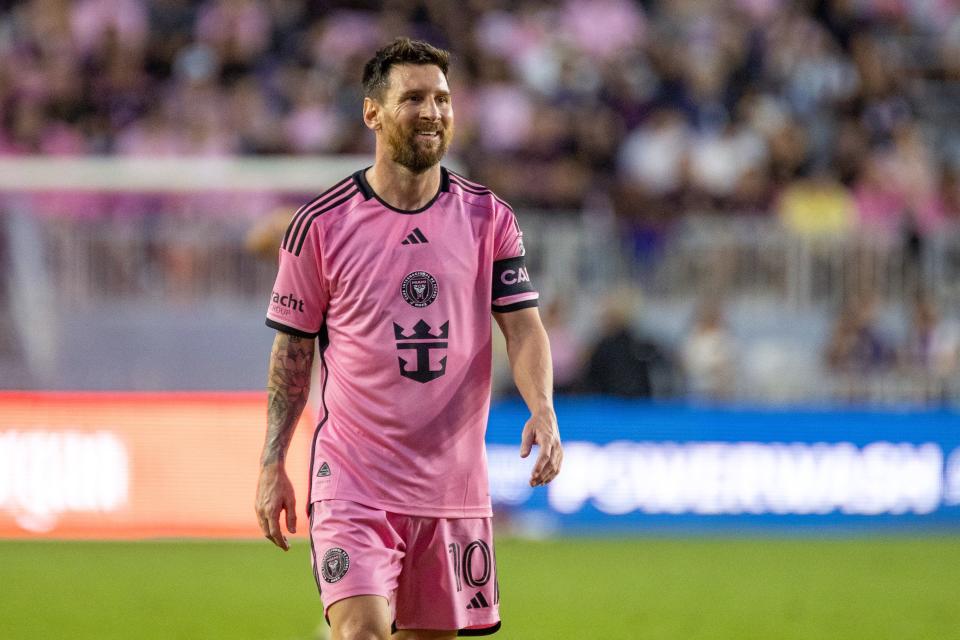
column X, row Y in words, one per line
column 386, row 258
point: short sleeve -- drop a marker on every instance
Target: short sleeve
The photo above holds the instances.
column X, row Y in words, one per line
column 512, row 287
column 508, row 242
column 298, row 302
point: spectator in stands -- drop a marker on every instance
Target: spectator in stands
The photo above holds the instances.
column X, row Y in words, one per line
column 653, row 157
column 950, row 182
column 817, row 205
column 838, row 116
column 709, row 354
column 858, row 356
column 622, row 363
column 731, row 98
column 932, row 347
column 856, row 345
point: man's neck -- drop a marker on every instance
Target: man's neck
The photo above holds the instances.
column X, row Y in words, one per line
column 401, row 188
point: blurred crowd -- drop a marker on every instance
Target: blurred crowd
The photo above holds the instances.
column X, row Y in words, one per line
column 839, row 118
column 829, row 112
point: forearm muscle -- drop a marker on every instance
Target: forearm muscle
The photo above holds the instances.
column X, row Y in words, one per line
column 529, row 352
column 288, row 385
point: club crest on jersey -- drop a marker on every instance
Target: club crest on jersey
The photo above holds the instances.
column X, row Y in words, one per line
column 419, row 289
column 335, row 565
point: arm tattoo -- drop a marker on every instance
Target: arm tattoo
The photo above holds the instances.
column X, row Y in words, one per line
column 288, row 385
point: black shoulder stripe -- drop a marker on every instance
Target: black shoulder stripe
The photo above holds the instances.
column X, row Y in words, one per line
column 305, row 209
column 504, row 203
column 313, row 216
column 476, row 185
column 293, row 221
column 467, row 187
column 320, row 200
column 481, row 191
column 300, row 212
column 462, row 179
column 306, row 213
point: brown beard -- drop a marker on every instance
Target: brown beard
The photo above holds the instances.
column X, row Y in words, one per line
column 405, row 150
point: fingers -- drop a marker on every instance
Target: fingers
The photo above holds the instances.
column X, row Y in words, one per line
column 548, row 461
column 548, row 464
column 267, row 529
column 269, row 519
column 526, row 442
column 275, row 494
column 292, row 518
column 536, row 476
column 274, row 534
column 542, row 431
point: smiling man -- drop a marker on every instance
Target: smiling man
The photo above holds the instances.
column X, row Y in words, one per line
column 394, row 272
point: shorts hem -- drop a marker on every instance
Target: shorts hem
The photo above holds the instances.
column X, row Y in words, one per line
column 468, row 631
column 359, row 591
column 483, row 631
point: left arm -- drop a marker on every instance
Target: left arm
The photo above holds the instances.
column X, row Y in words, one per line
column 529, row 352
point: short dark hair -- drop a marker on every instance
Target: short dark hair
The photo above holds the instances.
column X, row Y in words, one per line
column 401, row 51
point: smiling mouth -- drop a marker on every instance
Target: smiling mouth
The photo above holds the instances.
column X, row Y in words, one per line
column 428, row 137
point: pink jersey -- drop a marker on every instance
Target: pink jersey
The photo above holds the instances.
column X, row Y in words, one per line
column 400, row 302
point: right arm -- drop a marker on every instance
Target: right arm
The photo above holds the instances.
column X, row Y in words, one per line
column 288, row 385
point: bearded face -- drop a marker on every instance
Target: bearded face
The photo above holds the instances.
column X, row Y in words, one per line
column 417, row 146
column 415, row 116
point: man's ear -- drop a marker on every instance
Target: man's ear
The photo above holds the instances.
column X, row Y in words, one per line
column 371, row 114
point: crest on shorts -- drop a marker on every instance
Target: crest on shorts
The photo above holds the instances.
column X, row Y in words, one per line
column 419, row 289
column 335, row 564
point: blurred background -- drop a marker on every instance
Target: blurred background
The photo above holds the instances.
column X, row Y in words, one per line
column 759, row 198
column 743, row 217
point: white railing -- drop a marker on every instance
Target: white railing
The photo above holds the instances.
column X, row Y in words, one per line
column 172, row 240
column 189, row 257
column 759, row 257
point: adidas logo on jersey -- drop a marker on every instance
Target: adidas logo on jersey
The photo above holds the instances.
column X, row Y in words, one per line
column 324, row 471
column 416, row 237
column 478, row 602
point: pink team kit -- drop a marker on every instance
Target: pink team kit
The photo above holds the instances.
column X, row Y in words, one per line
column 400, row 302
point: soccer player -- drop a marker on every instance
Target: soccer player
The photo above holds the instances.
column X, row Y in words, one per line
column 394, row 272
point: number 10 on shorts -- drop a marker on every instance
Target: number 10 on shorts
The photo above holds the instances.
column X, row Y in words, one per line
column 474, row 564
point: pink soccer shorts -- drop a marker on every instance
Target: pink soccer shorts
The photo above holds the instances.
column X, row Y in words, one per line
column 436, row 573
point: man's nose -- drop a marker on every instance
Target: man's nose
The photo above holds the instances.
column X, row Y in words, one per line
column 429, row 110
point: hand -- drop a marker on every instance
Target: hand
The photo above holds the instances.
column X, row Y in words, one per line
column 541, row 429
column 275, row 494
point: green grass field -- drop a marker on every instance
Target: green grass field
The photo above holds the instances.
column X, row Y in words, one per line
column 770, row 589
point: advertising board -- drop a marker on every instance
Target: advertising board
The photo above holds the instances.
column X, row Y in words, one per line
column 134, row 465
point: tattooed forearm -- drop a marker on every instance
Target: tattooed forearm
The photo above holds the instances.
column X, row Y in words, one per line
column 288, row 386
